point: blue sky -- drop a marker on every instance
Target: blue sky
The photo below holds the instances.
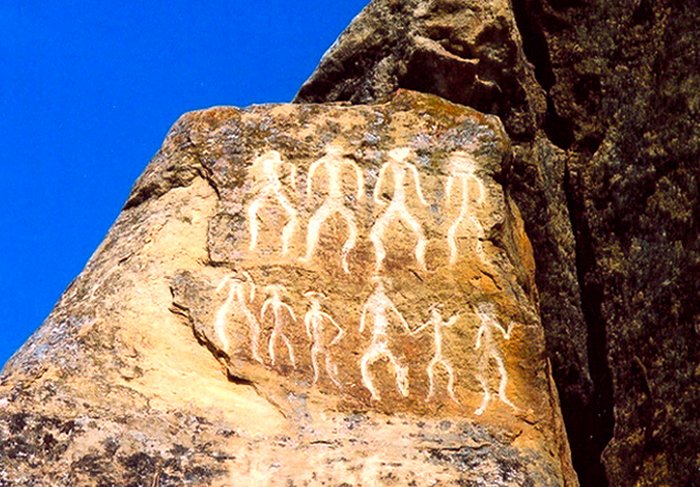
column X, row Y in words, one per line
column 88, row 91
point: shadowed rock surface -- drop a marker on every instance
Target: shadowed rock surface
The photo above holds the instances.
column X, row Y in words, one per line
column 601, row 100
column 219, row 337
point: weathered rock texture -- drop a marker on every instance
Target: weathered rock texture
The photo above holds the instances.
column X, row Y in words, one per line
column 601, row 100
column 300, row 295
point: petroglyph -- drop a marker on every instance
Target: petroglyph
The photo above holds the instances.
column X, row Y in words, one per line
column 268, row 171
column 377, row 305
column 489, row 350
column 438, row 358
column 334, row 162
column 313, row 321
column 462, row 168
column 397, row 209
column 237, row 292
column 277, row 307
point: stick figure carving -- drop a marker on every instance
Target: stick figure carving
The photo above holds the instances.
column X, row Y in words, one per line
column 333, row 162
column 268, row 171
column 397, row 209
column 462, row 167
column 486, row 343
column 276, row 306
column 237, row 292
column 438, row 359
column 378, row 304
column 313, row 321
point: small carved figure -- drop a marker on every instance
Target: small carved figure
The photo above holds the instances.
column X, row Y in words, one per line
column 267, row 170
column 333, row 163
column 237, row 292
column 275, row 304
column 438, row 359
column 377, row 305
column 313, row 320
column 489, row 350
column 462, row 168
column 397, row 209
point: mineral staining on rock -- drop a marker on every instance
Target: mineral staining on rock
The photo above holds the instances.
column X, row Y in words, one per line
column 358, row 273
column 393, row 344
column 376, row 267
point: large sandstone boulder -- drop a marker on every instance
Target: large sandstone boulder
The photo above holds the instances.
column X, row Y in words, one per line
column 601, row 100
column 300, row 295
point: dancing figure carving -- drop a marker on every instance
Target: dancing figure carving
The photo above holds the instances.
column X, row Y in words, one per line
column 489, row 350
column 334, row 162
column 377, row 306
column 237, row 292
column 277, row 308
column 438, row 324
column 313, row 321
column 397, row 209
column 268, row 171
column 462, row 169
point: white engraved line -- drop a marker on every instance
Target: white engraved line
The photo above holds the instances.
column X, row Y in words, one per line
column 490, row 351
column 378, row 304
column 271, row 164
column 274, row 303
column 237, row 291
column 438, row 358
column 333, row 163
column 313, row 321
column 462, row 170
column 397, row 210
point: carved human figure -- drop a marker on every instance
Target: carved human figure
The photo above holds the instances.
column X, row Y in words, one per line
column 397, row 209
column 267, row 171
column 489, row 350
column 277, row 309
column 237, row 293
column 377, row 307
column 462, row 172
column 334, row 162
column 438, row 324
column 313, row 321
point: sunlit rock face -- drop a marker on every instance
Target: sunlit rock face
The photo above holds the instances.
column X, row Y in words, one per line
column 300, row 293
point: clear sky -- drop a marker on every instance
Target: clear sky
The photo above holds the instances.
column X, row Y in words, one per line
column 88, row 90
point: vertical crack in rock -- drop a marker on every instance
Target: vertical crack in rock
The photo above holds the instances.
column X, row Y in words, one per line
column 590, row 424
column 559, row 130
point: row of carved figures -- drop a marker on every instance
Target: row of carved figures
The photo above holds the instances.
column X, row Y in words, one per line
column 377, row 312
column 269, row 168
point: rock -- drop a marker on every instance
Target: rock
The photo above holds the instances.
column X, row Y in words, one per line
column 343, row 287
column 607, row 187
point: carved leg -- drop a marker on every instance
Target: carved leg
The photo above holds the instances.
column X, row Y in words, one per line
column 290, row 350
column 220, row 326
column 375, row 236
column 480, row 235
column 254, row 333
column 332, row 370
column 418, row 230
column 271, row 344
column 314, row 363
column 253, row 222
column 352, row 236
column 431, row 379
column 452, row 240
column 312, row 233
column 504, row 381
column 450, row 380
column 288, row 230
column 487, row 395
column 368, row 359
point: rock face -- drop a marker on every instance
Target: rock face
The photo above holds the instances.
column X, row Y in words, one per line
column 601, row 101
column 300, row 295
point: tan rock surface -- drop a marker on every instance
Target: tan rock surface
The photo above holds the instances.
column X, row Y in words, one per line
column 197, row 349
